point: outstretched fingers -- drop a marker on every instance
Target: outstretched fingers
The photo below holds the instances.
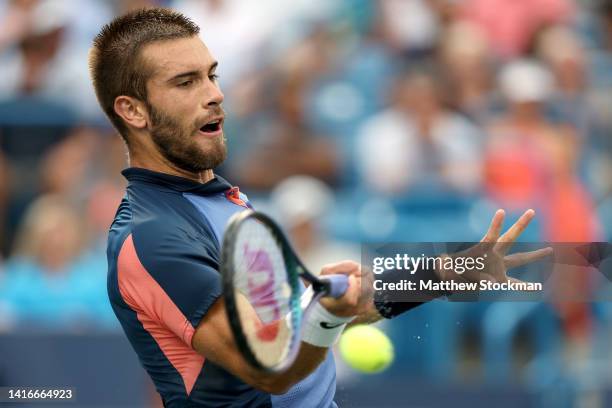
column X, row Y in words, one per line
column 506, row 240
column 492, row 235
column 523, row 258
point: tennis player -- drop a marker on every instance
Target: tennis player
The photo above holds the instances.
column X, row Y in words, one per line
column 157, row 82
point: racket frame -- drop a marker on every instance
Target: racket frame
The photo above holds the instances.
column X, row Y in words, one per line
column 294, row 268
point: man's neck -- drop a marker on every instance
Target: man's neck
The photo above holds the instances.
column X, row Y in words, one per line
column 161, row 165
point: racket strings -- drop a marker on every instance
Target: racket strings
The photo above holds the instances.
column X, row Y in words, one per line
column 261, row 280
column 261, row 255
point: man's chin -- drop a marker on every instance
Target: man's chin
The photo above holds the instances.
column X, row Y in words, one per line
column 208, row 143
column 212, row 153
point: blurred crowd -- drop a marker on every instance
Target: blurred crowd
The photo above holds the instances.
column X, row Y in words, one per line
column 349, row 120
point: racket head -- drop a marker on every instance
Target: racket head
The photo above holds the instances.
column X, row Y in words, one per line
column 261, row 286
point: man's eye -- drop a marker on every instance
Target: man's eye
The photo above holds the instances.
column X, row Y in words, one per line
column 213, row 77
column 185, row 84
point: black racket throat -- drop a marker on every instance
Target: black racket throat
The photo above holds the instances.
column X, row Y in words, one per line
column 319, row 286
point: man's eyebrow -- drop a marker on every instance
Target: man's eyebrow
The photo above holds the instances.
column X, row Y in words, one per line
column 193, row 73
column 185, row 75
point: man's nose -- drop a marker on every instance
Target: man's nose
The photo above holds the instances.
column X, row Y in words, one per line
column 214, row 96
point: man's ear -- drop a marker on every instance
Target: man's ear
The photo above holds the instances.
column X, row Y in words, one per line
column 132, row 111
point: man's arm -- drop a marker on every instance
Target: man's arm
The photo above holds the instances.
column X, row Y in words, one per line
column 213, row 339
column 493, row 246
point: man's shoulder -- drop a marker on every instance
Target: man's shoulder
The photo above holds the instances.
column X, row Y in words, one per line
column 158, row 219
column 161, row 211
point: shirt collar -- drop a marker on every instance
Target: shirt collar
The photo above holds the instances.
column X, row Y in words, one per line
column 181, row 184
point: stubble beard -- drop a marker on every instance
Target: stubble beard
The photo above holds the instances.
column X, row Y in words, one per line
column 177, row 144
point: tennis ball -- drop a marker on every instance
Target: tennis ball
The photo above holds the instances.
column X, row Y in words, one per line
column 366, row 349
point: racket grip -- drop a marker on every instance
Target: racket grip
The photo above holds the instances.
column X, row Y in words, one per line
column 337, row 284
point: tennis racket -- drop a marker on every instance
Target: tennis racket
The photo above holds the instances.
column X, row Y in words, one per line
column 262, row 289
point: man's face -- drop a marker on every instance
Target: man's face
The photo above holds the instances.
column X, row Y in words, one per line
column 184, row 102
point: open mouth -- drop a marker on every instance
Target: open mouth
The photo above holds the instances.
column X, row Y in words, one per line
column 211, row 127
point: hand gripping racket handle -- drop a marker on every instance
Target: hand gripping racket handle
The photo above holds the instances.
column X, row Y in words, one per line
column 337, row 284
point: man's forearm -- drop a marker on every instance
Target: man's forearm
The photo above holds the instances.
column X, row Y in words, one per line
column 319, row 331
column 308, row 359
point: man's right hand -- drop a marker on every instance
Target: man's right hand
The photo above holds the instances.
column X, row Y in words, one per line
column 350, row 303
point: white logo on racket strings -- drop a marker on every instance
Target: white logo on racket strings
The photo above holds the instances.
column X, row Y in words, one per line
column 261, row 283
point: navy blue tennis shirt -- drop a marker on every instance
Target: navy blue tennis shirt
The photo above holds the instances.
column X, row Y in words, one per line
column 163, row 276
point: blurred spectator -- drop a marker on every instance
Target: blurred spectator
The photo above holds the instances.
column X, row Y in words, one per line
column 51, row 234
column 466, row 59
column 307, row 60
column 598, row 61
column 283, row 144
column 448, row 11
column 564, row 54
column 338, row 67
column 70, row 171
column 15, row 21
column 510, row 26
column 66, row 167
column 47, row 281
column 408, row 26
column 232, row 47
column 576, row 101
column 113, row 155
column 125, row 6
column 40, row 58
column 532, row 162
column 599, row 68
column 301, row 203
column 233, row 31
column 419, row 142
column 518, row 169
column 102, row 203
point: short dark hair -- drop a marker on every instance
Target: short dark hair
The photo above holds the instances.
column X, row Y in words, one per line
column 115, row 65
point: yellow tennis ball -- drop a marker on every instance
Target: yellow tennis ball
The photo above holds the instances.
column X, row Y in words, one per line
column 366, row 349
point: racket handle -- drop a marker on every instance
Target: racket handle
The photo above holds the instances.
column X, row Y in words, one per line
column 337, row 284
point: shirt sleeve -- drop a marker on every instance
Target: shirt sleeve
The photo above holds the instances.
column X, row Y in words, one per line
column 170, row 280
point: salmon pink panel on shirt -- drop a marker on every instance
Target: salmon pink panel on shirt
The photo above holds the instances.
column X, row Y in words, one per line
column 158, row 314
